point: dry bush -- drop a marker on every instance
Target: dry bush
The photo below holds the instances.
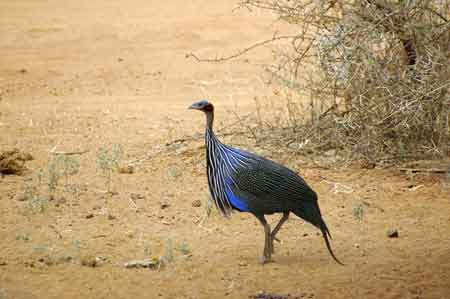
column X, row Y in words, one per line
column 377, row 74
column 13, row 161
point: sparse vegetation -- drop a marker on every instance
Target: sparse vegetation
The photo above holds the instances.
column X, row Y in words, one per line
column 62, row 167
column 33, row 195
column 183, row 248
column 371, row 77
column 168, row 256
column 108, row 161
column 116, row 85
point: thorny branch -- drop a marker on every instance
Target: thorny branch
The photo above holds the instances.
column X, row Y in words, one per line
column 376, row 73
column 242, row 52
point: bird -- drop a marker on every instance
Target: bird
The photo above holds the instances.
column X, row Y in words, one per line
column 241, row 181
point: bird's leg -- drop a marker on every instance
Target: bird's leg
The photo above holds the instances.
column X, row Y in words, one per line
column 277, row 228
column 268, row 246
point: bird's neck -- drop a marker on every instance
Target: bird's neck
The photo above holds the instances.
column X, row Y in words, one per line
column 210, row 136
column 209, row 120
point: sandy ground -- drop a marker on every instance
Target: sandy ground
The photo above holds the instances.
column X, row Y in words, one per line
column 86, row 75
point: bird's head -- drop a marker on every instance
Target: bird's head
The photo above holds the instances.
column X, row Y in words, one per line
column 202, row 105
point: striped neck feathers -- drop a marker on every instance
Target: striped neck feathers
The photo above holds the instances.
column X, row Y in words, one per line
column 223, row 162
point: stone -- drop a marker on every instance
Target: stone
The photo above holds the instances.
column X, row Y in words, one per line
column 147, row 263
column 126, row 169
column 135, row 196
column 196, row 203
column 88, row 261
column 392, row 233
column 163, row 204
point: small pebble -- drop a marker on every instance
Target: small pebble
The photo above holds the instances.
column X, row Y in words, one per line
column 111, row 217
column 89, row 216
column 197, row 203
column 147, row 263
column 135, row 196
column 392, row 233
column 127, row 169
column 89, row 261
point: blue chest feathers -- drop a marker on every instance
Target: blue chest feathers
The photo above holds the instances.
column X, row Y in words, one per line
column 237, row 203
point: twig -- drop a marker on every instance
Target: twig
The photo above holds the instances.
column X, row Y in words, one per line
column 240, row 53
column 429, row 170
column 53, row 151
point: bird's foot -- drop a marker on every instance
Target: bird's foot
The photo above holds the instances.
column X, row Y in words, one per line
column 272, row 247
column 265, row 259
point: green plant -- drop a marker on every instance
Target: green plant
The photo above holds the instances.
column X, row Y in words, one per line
column 36, row 202
column 168, row 252
column 358, row 212
column 108, row 161
column 184, row 248
column 61, row 166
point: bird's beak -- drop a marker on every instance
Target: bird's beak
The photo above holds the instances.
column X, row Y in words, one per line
column 192, row 107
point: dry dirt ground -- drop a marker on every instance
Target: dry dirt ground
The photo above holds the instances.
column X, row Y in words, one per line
column 85, row 75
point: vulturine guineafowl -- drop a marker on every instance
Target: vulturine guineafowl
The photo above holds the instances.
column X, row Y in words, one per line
column 245, row 182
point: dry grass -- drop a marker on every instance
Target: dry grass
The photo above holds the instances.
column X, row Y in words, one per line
column 375, row 75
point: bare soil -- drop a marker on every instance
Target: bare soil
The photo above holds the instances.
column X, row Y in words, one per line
column 78, row 76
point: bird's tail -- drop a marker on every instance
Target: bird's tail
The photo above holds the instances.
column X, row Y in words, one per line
column 310, row 212
column 326, row 233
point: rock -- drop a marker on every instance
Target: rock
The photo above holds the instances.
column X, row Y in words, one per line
column 197, row 203
column 392, row 233
column 147, row 263
column 127, row 169
column 47, row 260
column 88, row 261
column 64, row 259
column 111, row 217
column 135, row 196
column 163, row 204
column 60, row 201
column 21, row 197
column 89, row 216
column 11, row 162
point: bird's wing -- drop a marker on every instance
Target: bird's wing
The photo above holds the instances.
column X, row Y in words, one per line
column 269, row 187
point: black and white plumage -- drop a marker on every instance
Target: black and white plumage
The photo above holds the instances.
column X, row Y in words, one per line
column 242, row 181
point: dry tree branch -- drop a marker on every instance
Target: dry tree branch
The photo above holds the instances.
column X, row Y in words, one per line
column 241, row 52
